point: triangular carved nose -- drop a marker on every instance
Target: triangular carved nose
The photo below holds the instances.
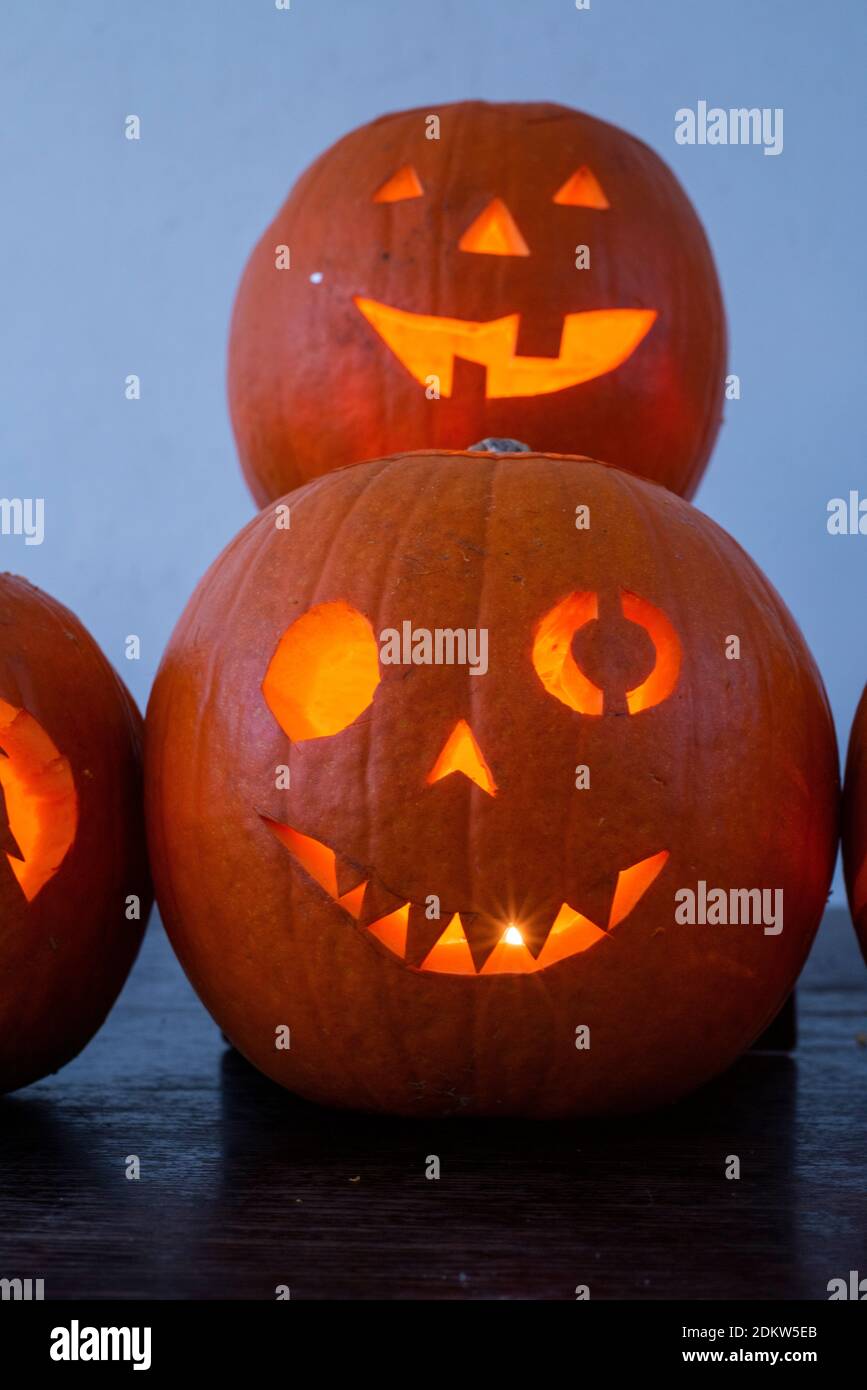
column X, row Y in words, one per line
column 494, row 233
column 461, row 753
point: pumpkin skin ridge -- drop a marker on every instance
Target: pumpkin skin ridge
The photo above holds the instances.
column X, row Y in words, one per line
column 67, row 951
column 373, row 1038
column 264, row 401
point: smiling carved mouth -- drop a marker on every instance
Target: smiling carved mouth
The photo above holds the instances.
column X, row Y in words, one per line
column 592, row 343
column 570, row 932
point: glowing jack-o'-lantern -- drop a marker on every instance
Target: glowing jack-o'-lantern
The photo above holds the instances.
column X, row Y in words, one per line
column 426, row 770
column 74, row 888
column 855, row 822
column 430, row 294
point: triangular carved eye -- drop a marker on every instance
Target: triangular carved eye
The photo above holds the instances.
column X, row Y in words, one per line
column 582, row 190
column 404, row 184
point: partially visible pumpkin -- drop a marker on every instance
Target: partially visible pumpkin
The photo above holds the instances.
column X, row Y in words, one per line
column 418, row 292
column 74, row 886
column 402, row 886
column 855, row 822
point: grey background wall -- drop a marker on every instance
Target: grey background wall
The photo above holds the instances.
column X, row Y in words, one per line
column 121, row 257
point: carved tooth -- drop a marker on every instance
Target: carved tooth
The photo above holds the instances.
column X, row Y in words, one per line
column 482, row 933
column 349, row 874
column 535, row 927
column 422, row 934
column 351, row 902
column 573, row 933
column 451, row 955
column 315, row 858
column 378, row 902
column 632, row 884
column 594, row 900
column 391, row 930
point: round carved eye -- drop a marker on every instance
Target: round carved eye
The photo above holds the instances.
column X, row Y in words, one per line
column 561, row 675
column 324, row 672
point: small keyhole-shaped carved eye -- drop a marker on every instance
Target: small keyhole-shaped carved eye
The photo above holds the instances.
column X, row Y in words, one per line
column 589, row 664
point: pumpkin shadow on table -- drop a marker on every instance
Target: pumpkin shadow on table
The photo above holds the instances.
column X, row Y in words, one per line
column 34, row 1133
column 339, row 1204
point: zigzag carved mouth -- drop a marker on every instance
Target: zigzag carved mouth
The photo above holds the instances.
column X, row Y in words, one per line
column 449, row 947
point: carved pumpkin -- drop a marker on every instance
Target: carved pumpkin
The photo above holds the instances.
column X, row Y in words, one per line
column 419, row 266
column 308, row 657
column 855, row 822
column 71, row 835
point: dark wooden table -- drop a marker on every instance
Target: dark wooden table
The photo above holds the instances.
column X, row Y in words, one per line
column 243, row 1188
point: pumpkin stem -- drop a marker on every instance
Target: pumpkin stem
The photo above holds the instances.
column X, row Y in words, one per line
column 499, row 446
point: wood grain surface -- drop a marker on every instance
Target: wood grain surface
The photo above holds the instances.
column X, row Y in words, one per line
column 243, row 1188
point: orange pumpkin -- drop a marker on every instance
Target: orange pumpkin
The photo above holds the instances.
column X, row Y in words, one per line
column 855, row 822
column 408, row 884
column 74, row 885
column 417, row 292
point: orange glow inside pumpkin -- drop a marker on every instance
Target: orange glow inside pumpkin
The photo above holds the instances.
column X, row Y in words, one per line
column 632, row 884
column 461, row 753
column 312, row 855
column 582, row 190
column 41, row 802
column 552, row 655
column 494, row 233
column 391, row 930
column 451, row 955
column 320, row 863
column 402, row 185
column 570, row 933
column 663, row 678
column 324, row 672
column 592, row 343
